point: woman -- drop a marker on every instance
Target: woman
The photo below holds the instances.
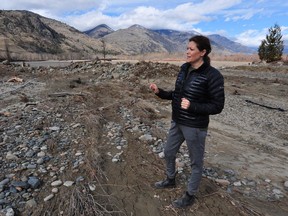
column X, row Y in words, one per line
column 198, row 93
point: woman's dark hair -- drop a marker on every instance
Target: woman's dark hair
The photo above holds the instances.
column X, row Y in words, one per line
column 202, row 43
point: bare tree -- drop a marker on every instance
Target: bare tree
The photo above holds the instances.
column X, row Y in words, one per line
column 8, row 56
column 104, row 52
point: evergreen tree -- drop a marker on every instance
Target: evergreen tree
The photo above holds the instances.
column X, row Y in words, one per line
column 271, row 49
column 261, row 50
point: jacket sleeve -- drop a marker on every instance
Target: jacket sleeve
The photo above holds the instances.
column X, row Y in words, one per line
column 168, row 95
column 216, row 97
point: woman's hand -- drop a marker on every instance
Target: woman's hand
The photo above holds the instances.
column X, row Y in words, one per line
column 185, row 104
column 154, row 88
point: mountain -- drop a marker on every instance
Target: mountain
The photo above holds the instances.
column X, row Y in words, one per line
column 27, row 35
column 182, row 38
column 30, row 36
column 178, row 37
column 138, row 40
column 99, row 31
column 230, row 45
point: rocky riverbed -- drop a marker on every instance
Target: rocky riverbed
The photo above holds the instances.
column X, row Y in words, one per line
column 87, row 139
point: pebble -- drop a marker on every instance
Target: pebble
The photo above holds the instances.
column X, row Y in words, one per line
column 4, row 182
column 277, row 191
column 92, row 187
column 146, row 137
column 54, row 128
column 31, row 203
column 11, row 156
column 223, row 182
column 55, row 190
column 268, row 180
column 49, row 197
column 237, row 184
column 41, row 154
column 34, row 182
column 161, row 155
column 56, row 183
column 68, row 183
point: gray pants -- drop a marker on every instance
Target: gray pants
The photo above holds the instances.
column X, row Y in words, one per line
column 195, row 139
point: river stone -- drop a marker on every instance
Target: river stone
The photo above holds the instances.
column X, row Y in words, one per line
column 56, row 183
column 49, row 197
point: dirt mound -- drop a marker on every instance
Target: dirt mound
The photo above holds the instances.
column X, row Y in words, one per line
column 90, row 136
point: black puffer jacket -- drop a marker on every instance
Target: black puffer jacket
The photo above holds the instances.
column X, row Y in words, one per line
column 204, row 88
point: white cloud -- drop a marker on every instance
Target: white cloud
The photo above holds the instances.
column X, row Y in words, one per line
column 254, row 37
column 182, row 17
column 251, row 38
column 175, row 14
column 241, row 14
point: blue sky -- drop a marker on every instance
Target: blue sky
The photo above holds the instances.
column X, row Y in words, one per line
column 244, row 21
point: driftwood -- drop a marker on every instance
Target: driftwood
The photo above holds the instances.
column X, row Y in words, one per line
column 16, row 89
column 64, row 94
column 268, row 107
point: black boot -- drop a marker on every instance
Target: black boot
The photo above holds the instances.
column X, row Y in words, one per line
column 167, row 183
column 184, row 201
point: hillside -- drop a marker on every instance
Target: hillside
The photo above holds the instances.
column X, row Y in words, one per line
column 138, row 40
column 31, row 36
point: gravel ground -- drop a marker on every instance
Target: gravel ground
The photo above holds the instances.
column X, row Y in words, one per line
column 88, row 138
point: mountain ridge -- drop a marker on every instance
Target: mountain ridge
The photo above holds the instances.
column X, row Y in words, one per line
column 173, row 40
column 28, row 35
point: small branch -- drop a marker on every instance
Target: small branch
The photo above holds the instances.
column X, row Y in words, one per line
column 268, row 107
column 64, row 94
column 16, row 89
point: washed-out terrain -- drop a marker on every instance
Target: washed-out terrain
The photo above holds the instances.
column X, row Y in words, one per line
column 87, row 139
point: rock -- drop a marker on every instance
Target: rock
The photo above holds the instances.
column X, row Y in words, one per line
column 222, row 182
column 41, row 154
column 237, row 184
column 80, row 178
column 8, row 212
column 277, row 191
column 268, row 180
column 29, row 153
column 146, row 137
column 92, row 187
column 54, row 128
column 55, row 190
column 78, row 154
column 229, row 172
column 49, row 197
column 4, row 182
column 40, row 161
column 286, row 185
column 161, row 155
column 31, row 166
column 31, row 203
column 20, row 184
column 34, row 182
column 56, row 183
column 68, row 183
column 11, row 156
